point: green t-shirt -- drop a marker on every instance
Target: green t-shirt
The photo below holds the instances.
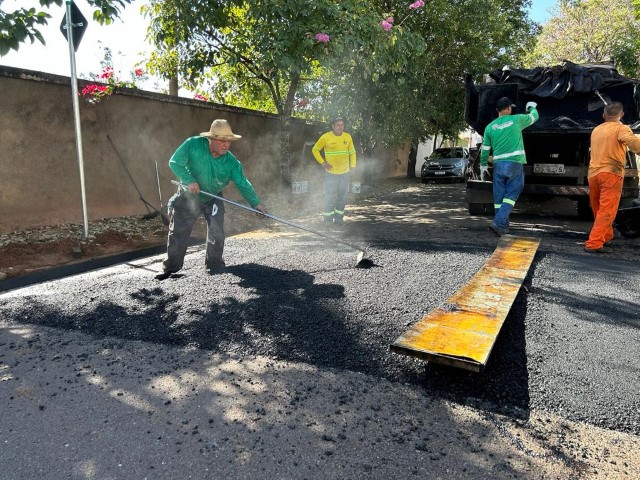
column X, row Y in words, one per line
column 193, row 162
column 504, row 137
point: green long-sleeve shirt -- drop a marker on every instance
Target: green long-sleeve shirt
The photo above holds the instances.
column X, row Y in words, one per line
column 504, row 137
column 193, row 162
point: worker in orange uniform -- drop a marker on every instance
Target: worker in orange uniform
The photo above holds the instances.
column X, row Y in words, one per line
column 609, row 143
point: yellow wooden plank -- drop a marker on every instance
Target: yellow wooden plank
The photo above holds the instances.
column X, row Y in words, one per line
column 463, row 330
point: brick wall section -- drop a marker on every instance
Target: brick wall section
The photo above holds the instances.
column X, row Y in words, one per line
column 39, row 180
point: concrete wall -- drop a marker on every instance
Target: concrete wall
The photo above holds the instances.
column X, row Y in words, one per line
column 40, row 181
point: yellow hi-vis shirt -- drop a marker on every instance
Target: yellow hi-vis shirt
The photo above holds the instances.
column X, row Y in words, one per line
column 339, row 152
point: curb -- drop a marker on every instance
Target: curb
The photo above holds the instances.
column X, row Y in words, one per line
column 68, row 270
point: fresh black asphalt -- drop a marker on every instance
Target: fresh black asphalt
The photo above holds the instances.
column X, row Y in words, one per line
column 569, row 346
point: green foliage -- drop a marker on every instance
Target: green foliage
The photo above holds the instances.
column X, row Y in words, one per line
column 267, row 41
column 584, row 31
column 22, row 24
column 426, row 95
column 404, row 82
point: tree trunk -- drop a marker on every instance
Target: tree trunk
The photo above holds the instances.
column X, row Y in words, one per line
column 173, row 86
column 411, row 163
column 285, row 156
column 367, row 156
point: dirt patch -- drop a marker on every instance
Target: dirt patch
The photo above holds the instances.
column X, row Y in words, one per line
column 29, row 255
column 37, row 249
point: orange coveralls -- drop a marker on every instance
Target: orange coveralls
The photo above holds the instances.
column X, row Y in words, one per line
column 609, row 142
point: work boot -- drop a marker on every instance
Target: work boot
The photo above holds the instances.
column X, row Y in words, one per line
column 165, row 274
column 216, row 267
column 603, row 249
column 497, row 230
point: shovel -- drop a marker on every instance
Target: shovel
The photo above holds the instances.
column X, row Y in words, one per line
column 598, row 101
column 151, row 214
column 361, row 262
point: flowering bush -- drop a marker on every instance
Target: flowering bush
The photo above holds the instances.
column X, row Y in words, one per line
column 94, row 93
column 107, row 80
column 303, row 102
column 387, row 24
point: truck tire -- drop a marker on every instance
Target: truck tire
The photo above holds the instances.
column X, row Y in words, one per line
column 628, row 230
column 584, row 210
column 476, row 209
column 489, row 209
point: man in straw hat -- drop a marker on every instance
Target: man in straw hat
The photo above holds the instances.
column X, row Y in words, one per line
column 204, row 162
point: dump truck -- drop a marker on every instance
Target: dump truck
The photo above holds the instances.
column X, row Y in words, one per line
column 571, row 98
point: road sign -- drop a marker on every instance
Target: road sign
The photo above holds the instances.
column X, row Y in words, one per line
column 78, row 23
column 73, row 26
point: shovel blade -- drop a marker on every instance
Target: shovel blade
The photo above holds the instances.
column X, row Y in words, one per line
column 362, row 262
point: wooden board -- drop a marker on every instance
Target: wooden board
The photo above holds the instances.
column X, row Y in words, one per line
column 462, row 331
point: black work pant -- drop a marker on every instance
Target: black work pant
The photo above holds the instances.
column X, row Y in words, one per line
column 185, row 210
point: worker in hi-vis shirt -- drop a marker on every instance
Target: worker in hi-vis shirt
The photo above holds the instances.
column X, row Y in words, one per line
column 504, row 137
column 338, row 161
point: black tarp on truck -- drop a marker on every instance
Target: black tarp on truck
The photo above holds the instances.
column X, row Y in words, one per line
column 557, row 145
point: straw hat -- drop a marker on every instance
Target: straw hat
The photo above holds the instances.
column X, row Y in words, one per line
column 220, row 130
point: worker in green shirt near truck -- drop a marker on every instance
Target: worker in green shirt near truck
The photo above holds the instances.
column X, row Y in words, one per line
column 204, row 163
column 504, row 137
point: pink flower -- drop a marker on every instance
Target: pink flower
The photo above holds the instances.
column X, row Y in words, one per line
column 417, row 4
column 197, row 96
column 138, row 72
column 107, row 72
column 93, row 89
column 387, row 24
column 322, row 37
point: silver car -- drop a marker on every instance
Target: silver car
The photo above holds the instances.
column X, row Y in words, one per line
column 449, row 163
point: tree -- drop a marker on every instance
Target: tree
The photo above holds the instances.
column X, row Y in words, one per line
column 22, row 24
column 395, row 69
column 246, row 49
column 425, row 97
column 588, row 31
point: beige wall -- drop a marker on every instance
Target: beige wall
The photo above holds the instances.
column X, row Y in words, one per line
column 39, row 174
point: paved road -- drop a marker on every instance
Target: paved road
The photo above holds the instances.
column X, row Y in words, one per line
column 280, row 367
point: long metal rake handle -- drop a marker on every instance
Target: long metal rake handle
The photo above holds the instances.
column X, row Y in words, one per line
column 273, row 217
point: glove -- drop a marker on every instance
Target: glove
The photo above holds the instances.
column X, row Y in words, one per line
column 484, row 170
column 530, row 105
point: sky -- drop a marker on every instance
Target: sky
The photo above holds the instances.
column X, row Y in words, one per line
column 125, row 37
column 539, row 11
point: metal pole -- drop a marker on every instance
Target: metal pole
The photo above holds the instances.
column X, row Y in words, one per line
column 76, row 115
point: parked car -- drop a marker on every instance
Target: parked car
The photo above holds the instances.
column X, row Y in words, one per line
column 446, row 163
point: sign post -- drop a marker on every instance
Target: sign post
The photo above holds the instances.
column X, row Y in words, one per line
column 74, row 19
